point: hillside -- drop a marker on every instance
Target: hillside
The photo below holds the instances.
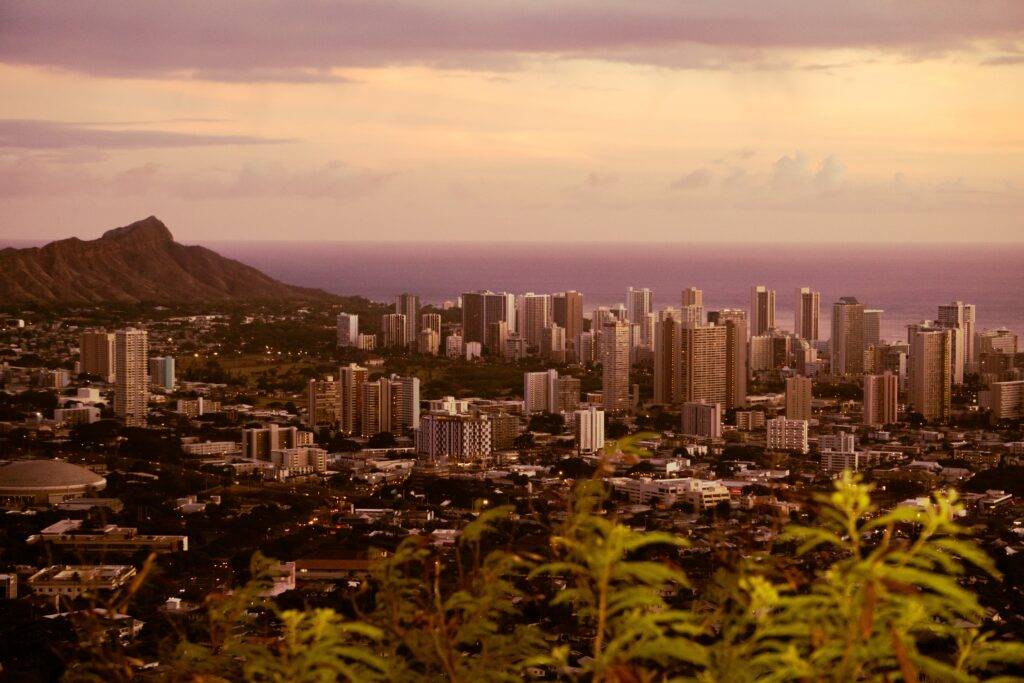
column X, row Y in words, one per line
column 135, row 263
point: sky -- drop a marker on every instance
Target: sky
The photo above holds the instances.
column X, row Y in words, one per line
column 508, row 120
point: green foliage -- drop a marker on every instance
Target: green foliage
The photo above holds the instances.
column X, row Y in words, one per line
column 864, row 595
column 616, row 597
column 466, row 633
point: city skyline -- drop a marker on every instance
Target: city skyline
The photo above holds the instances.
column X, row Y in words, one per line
column 814, row 123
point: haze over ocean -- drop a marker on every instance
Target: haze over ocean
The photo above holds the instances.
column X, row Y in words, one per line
column 907, row 281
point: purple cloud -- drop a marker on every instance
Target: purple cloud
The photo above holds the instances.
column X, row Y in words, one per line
column 693, row 180
column 279, row 40
column 35, row 134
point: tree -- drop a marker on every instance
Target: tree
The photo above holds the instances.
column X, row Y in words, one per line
column 547, row 423
column 382, row 440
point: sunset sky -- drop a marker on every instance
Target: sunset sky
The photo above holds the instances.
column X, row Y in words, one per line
column 761, row 120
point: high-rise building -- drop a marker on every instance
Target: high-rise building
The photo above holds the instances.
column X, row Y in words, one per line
column 931, row 371
column 872, row 327
column 497, row 337
column 615, row 367
column 429, row 341
column 393, row 330
column 453, row 346
column 587, row 351
column 259, row 442
column 131, row 391
column 480, row 309
column 376, row 411
column 348, row 329
column 431, row 321
column 567, row 312
column 787, row 435
column 534, row 316
column 549, row 392
column 1005, row 400
column 96, row 353
column 806, row 310
column 703, row 364
column 390, row 404
column 589, row 430
column 994, row 355
column 798, row 397
column 639, row 302
column 406, row 392
column 409, row 306
column 537, row 388
column 881, row 399
column 692, row 296
column 959, row 316
column 702, row 419
column 762, row 309
column 460, row 438
column 322, row 402
column 351, row 379
column 161, row 372
column 667, row 350
column 847, row 342
column 552, row 343
column 735, row 360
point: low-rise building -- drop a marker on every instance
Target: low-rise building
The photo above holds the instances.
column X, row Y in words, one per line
column 71, row 581
column 787, row 435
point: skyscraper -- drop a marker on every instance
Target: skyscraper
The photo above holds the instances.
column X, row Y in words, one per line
column 735, row 360
column 552, row 343
column 348, row 329
column 497, row 338
column 762, row 309
column 872, row 327
column 376, row 412
column 960, row 316
column 638, row 304
column 589, row 430
column 131, row 394
column 692, row 309
column 409, row 306
column 567, row 312
column 615, row 367
column 322, row 402
column 806, row 310
column 96, row 354
column 798, row 397
column 351, row 378
column 702, row 364
column 480, row 309
column 847, row 343
column 881, row 399
column 702, row 419
column 431, row 321
column 534, row 315
column 931, row 371
column 667, row 347
column 161, row 372
column 393, row 329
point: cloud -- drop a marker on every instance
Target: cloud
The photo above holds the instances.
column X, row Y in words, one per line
column 693, row 180
column 595, row 180
column 36, row 134
column 32, row 176
column 334, row 180
column 272, row 39
column 1004, row 60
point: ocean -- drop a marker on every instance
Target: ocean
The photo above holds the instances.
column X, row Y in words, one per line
column 907, row 281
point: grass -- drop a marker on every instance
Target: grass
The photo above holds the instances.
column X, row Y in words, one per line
column 630, row 445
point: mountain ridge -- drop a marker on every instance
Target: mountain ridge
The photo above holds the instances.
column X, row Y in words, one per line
column 135, row 263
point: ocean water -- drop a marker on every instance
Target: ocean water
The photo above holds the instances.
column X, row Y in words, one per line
column 907, row 281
